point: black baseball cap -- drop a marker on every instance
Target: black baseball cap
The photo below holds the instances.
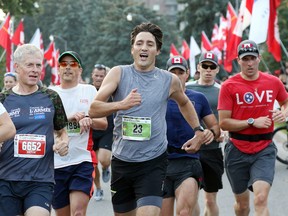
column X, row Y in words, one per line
column 74, row 54
column 247, row 47
column 177, row 62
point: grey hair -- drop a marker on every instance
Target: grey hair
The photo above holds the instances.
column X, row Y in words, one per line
column 25, row 49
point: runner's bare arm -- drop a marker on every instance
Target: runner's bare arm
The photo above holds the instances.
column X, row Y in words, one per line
column 7, row 128
column 100, row 107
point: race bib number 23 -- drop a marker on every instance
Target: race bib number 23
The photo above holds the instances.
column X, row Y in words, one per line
column 136, row 128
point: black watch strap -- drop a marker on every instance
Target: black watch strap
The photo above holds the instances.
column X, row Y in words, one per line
column 199, row 128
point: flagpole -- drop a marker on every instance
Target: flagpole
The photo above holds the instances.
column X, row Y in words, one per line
column 2, row 55
column 283, row 47
column 265, row 65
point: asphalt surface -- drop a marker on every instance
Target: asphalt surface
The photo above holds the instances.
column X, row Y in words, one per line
column 277, row 200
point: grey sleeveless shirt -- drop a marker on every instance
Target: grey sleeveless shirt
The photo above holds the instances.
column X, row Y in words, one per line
column 153, row 87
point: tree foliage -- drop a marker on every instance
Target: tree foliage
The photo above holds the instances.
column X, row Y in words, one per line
column 19, row 7
column 97, row 29
column 201, row 16
column 100, row 32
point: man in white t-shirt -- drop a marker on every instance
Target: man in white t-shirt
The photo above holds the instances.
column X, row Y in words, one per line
column 74, row 172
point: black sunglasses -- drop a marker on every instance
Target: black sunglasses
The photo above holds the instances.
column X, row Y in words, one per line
column 248, row 49
column 212, row 67
column 100, row 66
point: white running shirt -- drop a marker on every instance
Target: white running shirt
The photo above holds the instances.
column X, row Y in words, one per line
column 76, row 99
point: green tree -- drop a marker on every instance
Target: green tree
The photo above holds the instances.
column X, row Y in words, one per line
column 97, row 29
column 201, row 16
column 19, row 7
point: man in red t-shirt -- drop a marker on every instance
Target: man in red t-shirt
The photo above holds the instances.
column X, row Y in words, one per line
column 246, row 110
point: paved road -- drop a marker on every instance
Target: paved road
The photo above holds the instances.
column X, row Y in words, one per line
column 278, row 202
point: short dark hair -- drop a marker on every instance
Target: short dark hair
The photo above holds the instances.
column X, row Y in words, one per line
column 148, row 27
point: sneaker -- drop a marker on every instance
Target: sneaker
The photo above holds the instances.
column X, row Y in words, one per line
column 106, row 175
column 98, row 195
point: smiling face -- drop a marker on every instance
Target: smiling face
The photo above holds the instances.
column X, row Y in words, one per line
column 144, row 51
column 9, row 82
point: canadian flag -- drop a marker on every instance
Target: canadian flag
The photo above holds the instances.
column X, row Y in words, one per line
column 185, row 50
column 247, row 13
column 177, row 60
column 55, row 75
column 222, row 33
column 273, row 38
column 205, row 43
column 5, row 42
column 236, row 36
column 259, row 21
column 215, row 41
column 173, row 50
column 38, row 42
column 231, row 17
column 51, row 55
column 194, row 51
column 18, row 36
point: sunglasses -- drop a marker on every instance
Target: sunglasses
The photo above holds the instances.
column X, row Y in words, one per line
column 212, row 67
column 72, row 64
column 100, row 66
column 248, row 49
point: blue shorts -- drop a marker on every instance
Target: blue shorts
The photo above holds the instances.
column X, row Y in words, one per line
column 244, row 169
column 137, row 184
column 18, row 196
column 72, row 178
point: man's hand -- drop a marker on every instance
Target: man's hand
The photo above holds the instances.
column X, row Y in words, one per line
column 193, row 145
column 278, row 116
column 85, row 124
column 77, row 116
column 133, row 99
column 262, row 122
column 61, row 147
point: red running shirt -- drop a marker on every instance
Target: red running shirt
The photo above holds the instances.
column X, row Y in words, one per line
column 251, row 99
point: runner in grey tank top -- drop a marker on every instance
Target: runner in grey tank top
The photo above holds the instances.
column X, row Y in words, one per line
column 154, row 89
column 140, row 94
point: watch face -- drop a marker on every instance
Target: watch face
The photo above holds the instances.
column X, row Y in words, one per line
column 250, row 121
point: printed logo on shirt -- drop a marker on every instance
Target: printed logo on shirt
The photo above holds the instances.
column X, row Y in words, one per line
column 15, row 112
column 260, row 97
column 84, row 101
column 249, row 97
column 39, row 112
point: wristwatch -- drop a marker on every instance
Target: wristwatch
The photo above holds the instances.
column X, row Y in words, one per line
column 199, row 128
column 250, row 121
